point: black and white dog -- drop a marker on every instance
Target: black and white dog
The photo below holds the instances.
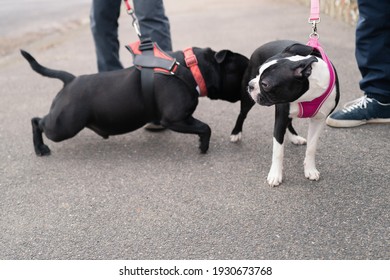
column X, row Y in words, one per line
column 300, row 83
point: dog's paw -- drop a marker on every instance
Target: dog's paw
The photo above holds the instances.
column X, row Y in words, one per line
column 203, row 148
column 274, row 181
column 42, row 150
column 297, row 140
column 235, row 137
column 204, row 145
column 312, row 174
column 274, row 178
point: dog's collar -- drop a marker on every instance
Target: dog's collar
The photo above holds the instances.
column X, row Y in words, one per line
column 309, row 109
column 192, row 64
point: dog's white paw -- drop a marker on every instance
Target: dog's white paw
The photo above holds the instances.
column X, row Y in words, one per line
column 297, row 140
column 312, row 174
column 235, row 137
column 274, row 178
column 274, row 181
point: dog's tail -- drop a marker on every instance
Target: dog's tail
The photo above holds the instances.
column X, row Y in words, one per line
column 64, row 76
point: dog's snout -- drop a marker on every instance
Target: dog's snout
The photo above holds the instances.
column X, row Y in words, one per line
column 251, row 85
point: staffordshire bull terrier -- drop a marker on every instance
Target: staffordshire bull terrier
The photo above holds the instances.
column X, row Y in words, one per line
column 112, row 103
column 300, row 83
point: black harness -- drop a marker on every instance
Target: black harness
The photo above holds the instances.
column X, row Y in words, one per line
column 146, row 61
column 150, row 59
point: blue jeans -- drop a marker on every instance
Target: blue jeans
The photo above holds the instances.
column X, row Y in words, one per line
column 104, row 26
column 153, row 22
column 373, row 48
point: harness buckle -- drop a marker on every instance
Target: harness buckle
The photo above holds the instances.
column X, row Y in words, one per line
column 191, row 60
column 146, row 45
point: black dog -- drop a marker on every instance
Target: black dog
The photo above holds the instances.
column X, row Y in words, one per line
column 113, row 103
column 295, row 78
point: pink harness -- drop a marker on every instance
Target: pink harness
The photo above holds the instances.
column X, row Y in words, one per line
column 309, row 109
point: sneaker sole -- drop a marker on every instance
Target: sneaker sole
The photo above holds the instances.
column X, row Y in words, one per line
column 154, row 127
column 353, row 123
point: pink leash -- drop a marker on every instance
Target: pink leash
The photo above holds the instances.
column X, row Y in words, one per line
column 315, row 11
column 309, row 109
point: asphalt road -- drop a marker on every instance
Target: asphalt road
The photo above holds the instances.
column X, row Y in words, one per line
column 19, row 17
column 26, row 21
column 153, row 196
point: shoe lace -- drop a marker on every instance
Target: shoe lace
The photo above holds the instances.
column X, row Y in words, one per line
column 360, row 103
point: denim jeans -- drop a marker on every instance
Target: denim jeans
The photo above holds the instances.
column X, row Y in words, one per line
column 104, row 26
column 373, row 48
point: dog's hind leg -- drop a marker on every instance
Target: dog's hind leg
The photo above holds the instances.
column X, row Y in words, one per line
column 55, row 128
column 192, row 126
column 40, row 148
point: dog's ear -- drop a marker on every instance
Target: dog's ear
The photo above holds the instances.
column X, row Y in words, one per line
column 298, row 49
column 221, row 55
column 303, row 68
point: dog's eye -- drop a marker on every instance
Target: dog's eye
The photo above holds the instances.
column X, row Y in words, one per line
column 264, row 85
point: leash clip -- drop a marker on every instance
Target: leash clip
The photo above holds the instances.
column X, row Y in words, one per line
column 131, row 13
column 314, row 23
column 135, row 22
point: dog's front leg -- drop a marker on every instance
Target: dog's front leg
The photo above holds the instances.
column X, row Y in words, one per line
column 246, row 105
column 192, row 126
column 275, row 175
column 315, row 128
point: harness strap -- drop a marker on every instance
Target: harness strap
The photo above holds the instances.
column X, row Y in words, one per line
column 151, row 62
column 309, row 109
column 192, row 64
column 157, row 58
column 147, row 84
column 143, row 52
column 150, row 59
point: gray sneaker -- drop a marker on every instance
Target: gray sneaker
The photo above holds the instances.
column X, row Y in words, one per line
column 360, row 111
column 154, row 126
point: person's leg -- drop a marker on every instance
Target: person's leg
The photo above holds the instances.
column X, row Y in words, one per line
column 373, row 59
column 153, row 22
column 372, row 48
column 104, row 26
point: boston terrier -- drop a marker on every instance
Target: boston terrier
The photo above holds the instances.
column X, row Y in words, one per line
column 302, row 83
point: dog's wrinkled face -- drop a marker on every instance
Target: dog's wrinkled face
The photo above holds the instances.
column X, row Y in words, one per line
column 232, row 68
column 282, row 79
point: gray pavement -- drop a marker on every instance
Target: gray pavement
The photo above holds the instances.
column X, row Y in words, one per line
column 26, row 21
column 153, row 196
